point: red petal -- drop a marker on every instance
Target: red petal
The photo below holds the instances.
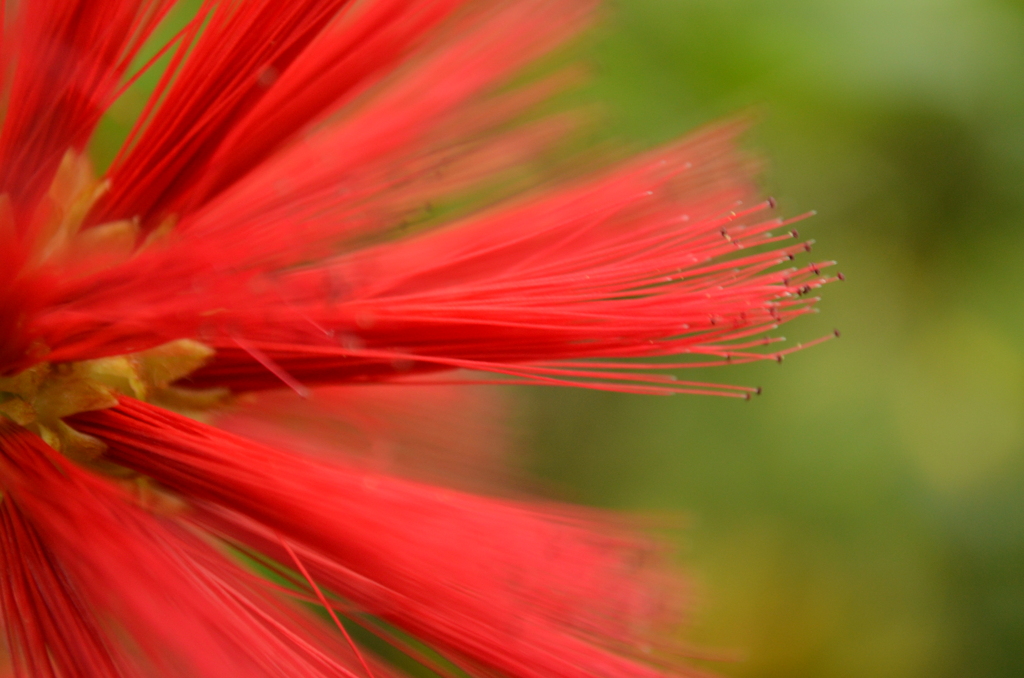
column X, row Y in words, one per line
column 528, row 590
column 342, row 62
column 68, row 57
column 188, row 609
column 358, row 175
column 202, row 96
column 50, row 629
column 659, row 258
column 651, row 260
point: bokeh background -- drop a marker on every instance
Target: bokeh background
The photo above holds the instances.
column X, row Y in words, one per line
column 865, row 516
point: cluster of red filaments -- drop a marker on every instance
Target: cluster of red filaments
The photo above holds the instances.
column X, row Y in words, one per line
column 659, row 258
column 263, row 231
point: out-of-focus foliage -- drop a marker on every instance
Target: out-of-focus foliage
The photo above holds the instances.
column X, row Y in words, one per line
column 865, row 516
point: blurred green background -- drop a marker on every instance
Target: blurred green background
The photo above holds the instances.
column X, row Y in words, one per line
column 865, row 516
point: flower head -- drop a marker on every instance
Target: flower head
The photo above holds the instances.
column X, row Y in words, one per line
column 258, row 233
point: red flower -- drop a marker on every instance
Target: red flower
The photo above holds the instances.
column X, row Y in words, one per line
column 245, row 240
